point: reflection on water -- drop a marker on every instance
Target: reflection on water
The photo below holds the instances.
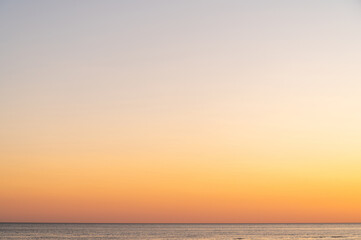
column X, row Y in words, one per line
column 179, row 231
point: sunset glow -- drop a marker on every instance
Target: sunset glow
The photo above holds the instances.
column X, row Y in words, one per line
column 180, row 111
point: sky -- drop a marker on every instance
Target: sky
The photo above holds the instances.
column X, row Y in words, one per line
column 180, row 111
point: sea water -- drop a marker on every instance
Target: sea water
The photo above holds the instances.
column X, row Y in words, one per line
column 178, row 231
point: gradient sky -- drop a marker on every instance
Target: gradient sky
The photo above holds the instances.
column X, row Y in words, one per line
column 180, row 111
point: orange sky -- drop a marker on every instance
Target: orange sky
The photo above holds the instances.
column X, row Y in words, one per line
column 195, row 111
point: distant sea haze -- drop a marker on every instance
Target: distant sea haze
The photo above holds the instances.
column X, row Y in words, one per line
column 325, row 231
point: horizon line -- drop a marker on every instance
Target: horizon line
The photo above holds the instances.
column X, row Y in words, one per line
column 180, row 223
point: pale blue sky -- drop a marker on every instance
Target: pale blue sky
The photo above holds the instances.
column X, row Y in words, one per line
column 166, row 59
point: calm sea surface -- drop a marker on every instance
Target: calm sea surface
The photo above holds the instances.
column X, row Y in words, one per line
column 179, row 231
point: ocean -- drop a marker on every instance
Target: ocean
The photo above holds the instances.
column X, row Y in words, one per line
column 23, row 231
